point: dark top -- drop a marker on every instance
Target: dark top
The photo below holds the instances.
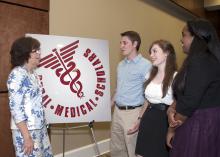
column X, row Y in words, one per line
column 202, row 85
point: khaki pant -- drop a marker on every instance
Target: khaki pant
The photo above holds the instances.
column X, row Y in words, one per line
column 123, row 145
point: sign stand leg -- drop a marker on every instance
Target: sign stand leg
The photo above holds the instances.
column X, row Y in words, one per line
column 64, row 141
column 90, row 125
column 93, row 136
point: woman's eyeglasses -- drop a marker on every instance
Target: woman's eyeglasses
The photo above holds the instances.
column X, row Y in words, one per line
column 38, row 51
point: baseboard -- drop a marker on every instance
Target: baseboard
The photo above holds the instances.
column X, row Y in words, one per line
column 88, row 150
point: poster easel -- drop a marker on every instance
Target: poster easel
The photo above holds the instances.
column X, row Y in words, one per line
column 90, row 125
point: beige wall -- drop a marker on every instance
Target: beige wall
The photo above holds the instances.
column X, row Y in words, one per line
column 106, row 19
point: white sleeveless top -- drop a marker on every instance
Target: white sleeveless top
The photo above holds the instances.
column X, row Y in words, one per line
column 153, row 93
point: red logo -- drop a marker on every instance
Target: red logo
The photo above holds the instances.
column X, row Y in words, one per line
column 63, row 63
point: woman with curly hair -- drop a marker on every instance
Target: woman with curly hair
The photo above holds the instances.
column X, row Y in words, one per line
column 28, row 124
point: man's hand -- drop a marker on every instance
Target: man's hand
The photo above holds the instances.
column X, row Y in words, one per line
column 135, row 127
column 112, row 103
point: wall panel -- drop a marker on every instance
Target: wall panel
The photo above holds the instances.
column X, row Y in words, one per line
column 17, row 17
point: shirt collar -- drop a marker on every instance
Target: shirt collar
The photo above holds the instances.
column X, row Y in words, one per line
column 135, row 60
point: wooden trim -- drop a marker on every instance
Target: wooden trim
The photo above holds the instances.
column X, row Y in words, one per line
column 34, row 4
column 193, row 6
column 196, row 7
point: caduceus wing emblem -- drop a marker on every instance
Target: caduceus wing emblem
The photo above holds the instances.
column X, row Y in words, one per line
column 65, row 68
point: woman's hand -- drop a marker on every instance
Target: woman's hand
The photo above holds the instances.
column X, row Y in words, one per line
column 181, row 118
column 28, row 145
column 28, row 142
column 134, row 128
column 170, row 136
column 171, row 113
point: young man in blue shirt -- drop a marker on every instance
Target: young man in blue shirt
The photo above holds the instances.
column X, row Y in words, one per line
column 129, row 96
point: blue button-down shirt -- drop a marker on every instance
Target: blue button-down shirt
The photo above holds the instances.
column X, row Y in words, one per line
column 25, row 99
column 130, row 79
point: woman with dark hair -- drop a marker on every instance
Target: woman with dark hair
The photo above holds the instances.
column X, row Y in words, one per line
column 151, row 141
column 28, row 124
column 195, row 119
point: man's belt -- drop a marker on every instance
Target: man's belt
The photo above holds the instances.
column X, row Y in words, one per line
column 123, row 107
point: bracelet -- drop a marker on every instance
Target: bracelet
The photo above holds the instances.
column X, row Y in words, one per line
column 139, row 118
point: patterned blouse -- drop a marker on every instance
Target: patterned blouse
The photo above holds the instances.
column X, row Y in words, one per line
column 25, row 99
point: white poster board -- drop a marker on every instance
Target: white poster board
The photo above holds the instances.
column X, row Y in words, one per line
column 74, row 73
